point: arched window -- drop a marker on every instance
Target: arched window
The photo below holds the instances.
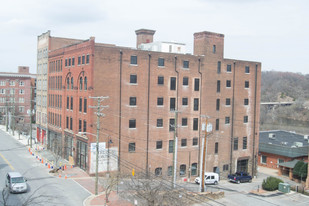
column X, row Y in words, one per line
column 182, row 171
column 194, row 169
column 68, row 83
column 72, row 83
column 80, row 83
column 85, row 83
column 158, row 171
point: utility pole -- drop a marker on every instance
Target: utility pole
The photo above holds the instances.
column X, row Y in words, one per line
column 108, row 144
column 30, row 115
column 99, row 108
column 175, row 144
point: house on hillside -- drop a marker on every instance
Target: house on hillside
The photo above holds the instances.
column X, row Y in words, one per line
column 282, row 150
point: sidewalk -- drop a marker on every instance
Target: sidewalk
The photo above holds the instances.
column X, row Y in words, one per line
column 74, row 173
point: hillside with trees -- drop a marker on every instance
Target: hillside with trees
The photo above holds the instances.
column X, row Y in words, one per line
column 285, row 87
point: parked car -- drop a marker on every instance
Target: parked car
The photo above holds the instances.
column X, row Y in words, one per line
column 210, row 178
column 239, row 177
column 16, row 182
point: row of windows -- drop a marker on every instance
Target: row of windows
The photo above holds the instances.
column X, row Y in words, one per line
column 55, row 100
column 11, row 91
column 5, row 99
column 55, row 83
column 82, row 83
column 229, row 68
column 228, row 103
column 55, row 66
column 244, row 143
column 12, row 83
column 185, row 82
column 82, row 124
column 161, row 62
column 229, row 85
column 81, row 60
column 54, row 119
column 80, row 109
column 227, row 121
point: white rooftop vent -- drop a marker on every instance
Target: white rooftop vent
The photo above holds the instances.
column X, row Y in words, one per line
column 284, row 143
column 306, row 137
column 272, row 136
column 298, row 144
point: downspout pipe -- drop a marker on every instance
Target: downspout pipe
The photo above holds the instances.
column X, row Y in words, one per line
column 232, row 122
column 120, row 112
column 199, row 135
column 148, row 105
column 254, row 124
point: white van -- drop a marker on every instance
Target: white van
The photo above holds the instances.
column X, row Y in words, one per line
column 15, row 182
column 210, row 178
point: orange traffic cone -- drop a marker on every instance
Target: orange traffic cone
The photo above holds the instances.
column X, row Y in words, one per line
column 42, row 161
column 48, row 166
column 59, row 175
column 65, row 177
column 65, row 167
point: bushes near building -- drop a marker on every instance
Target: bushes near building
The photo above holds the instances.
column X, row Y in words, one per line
column 271, row 183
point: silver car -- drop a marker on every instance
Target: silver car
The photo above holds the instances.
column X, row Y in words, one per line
column 15, row 182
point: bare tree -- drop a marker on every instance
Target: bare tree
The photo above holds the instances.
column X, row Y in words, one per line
column 110, row 184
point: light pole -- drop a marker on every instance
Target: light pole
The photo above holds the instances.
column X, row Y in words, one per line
column 30, row 113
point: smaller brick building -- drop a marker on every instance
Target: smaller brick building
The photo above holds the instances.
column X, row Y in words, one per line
column 281, row 146
column 17, row 92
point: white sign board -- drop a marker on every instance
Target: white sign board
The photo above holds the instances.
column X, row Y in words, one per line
column 209, row 127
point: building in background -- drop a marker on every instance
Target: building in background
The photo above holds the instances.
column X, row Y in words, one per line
column 17, row 92
column 153, row 90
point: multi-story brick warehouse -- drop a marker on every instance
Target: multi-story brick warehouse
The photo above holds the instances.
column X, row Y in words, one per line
column 148, row 92
column 17, row 92
column 45, row 43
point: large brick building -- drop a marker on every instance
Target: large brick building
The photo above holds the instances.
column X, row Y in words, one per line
column 17, row 93
column 149, row 92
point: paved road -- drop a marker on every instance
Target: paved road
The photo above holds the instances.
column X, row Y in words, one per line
column 43, row 187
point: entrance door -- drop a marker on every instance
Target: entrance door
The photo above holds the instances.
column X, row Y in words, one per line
column 81, row 158
column 242, row 165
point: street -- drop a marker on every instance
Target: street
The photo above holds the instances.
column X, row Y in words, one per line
column 43, row 188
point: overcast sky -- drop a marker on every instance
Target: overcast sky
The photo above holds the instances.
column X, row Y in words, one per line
column 274, row 32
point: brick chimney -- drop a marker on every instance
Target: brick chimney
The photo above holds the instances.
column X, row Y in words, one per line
column 144, row 36
column 23, row 70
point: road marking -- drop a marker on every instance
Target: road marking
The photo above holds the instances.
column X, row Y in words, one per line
column 7, row 161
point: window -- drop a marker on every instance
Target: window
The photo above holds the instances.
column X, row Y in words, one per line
column 21, row 100
column 216, row 147
column 244, row 143
column 2, row 83
column 160, row 80
column 69, row 62
column 196, row 84
column 169, row 171
column 185, row 101
column 67, row 123
column 246, row 84
column 132, row 101
column 158, row 171
column 172, row 125
column 195, row 141
column 83, row 59
column 185, row 81
column 219, row 68
column 228, row 83
column 236, row 143
column 21, row 91
column 68, row 83
column 195, row 124
column 68, row 102
column 80, row 83
column 160, row 101
column 170, row 146
column 21, row 109
column 246, row 101
column 132, row 123
column 66, row 62
column 72, row 81
column 71, row 103
column 85, row 84
column 79, row 125
column 173, row 83
column 245, row 119
column 161, row 62
column 182, row 170
column 186, row 64
column 214, row 49
column 229, row 68
column 85, row 105
column 247, row 69
column 225, row 167
column 227, row 101
column 184, row 122
column 264, row 159
column 133, row 60
column 227, row 120
column 159, row 122
column 79, row 60
column 80, row 108
column 133, row 79
column 73, row 61
column 194, row 169
column 132, row 147
column 2, row 91
column 21, row 83
column 183, row 142
column 71, row 123
column 218, row 86
column 218, row 104
column 172, row 104
column 217, row 124
column 195, row 104
column 12, row 83
column 87, row 59
column 85, row 126
column 159, row 144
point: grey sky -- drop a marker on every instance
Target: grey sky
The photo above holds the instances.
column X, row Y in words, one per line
column 273, row 32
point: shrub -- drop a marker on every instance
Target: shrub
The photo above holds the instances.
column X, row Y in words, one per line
column 303, row 171
column 271, row 183
column 298, row 166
